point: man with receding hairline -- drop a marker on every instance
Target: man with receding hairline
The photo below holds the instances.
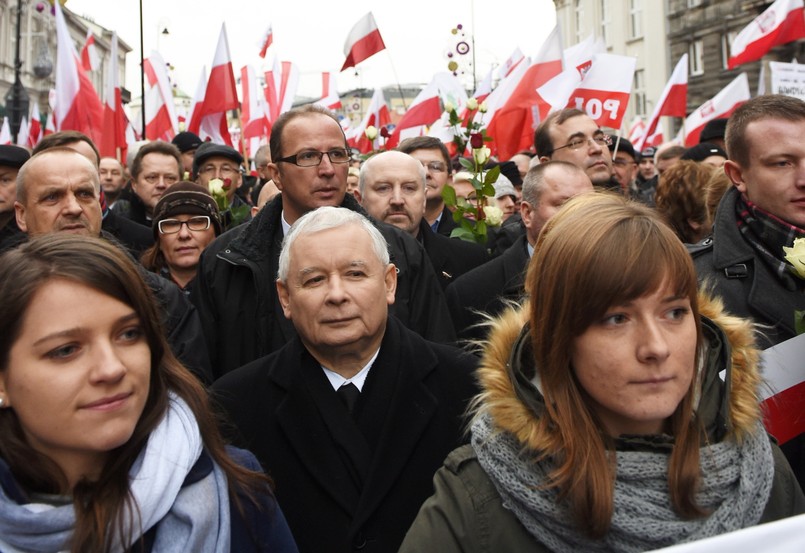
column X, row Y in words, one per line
column 241, row 314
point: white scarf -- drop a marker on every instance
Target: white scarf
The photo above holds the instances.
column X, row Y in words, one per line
column 194, row 518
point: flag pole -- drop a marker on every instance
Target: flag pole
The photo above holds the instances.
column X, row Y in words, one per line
column 242, row 140
column 142, row 70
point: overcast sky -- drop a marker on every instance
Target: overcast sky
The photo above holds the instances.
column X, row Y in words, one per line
column 311, row 34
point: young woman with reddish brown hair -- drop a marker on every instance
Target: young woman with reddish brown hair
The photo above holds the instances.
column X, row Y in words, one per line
column 604, row 424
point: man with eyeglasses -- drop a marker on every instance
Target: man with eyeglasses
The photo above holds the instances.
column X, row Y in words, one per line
column 218, row 161
column 573, row 136
column 157, row 166
column 432, row 154
column 235, row 291
column 624, row 163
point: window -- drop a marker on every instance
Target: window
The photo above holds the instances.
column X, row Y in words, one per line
column 578, row 14
column 696, row 55
column 726, row 47
column 605, row 21
column 635, row 18
column 694, row 3
column 639, row 92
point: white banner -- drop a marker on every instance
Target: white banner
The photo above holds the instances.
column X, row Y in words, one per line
column 788, row 79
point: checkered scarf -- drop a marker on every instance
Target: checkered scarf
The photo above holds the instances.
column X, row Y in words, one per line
column 767, row 234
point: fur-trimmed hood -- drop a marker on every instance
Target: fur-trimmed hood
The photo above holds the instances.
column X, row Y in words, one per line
column 726, row 408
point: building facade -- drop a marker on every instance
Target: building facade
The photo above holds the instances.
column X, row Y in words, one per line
column 38, row 50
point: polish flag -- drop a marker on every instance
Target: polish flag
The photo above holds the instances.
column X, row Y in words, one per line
column 280, row 91
column 636, row 129
column 783, row 397
column 363, row 41
column 673, row 101
column 508, row 65
column 484, row 87
column 581, row 55
column 268, row 39
column 782, row 22
column 113, row 140
column 90, row 60
column 50, row 125
column 35, row 132
column 512, row 127
column 329, row 93
column 254, row 114
column 77, row 105
column 24, row 133
column 426, row 109
column 160, row 113
column 377, row 115
column 501, row 94
column 5, row 132
column 198, row 96
column 720, row 105
column 209, row 121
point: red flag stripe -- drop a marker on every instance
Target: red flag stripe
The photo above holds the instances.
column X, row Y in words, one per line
column 364, row 48
column 784, row 413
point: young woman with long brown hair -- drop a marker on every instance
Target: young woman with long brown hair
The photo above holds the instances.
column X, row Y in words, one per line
column 605, row 424
column 107, row 443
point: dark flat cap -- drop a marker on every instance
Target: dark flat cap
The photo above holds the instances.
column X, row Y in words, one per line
column 186, row 141
column 13, row 156
column 623, row 146
column 702, row 151
column 210, row 149
column 713, row 129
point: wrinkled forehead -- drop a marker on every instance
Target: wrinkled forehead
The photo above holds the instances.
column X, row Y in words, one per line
column 580, row 125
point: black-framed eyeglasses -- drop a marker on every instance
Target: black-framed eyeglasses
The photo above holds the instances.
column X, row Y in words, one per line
column 312, row 158
column 172, row 226
column 435, row 166
column 602, row 140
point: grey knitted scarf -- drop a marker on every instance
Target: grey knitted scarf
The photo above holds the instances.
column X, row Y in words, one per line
column 735, row 487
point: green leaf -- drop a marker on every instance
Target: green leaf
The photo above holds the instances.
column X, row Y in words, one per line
column 492, row 175
column 449, row 195
column 488, row 138
column 458, row 215
column 464, row 234
column 799, row 322
column 466, row 164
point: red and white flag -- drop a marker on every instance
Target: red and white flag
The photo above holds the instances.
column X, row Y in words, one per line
column 161, row 122
column 636, row 129
column 603, row 91
column 512, row 126
column 673, row 102
column 783, row 397
column 35, row 132
column 5, row 132
column 720, row 105
column 484, row 88
column 782, row 22
column 377, row 115
column 268, row 39
column 90, row 60
column 423, row 111
column 280, row 91
column 23, row 133
column 209, row 121
column 77, row 105
column 363, row 41
column 253, row 112
column 329, row 93
column 580, row 55
column 113, row 141
column 507, row 66
column 198, row 96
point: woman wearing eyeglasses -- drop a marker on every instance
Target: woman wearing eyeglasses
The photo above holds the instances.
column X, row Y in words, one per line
column 186, row 220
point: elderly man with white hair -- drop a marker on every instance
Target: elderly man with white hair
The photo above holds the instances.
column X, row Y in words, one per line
column 353, row 416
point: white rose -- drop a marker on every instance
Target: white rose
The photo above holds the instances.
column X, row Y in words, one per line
column 472, row 104
column 481, row 155
column 216, row 187
column 493, row 215
column 371, row 132
column 796, row 256
column 482, row 107
column 449, row 107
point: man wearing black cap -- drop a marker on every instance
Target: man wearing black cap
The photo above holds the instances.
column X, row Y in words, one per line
column 188, row 143
column 714, row 132
column 624, row 163
column 706, row 152
column 217, row 161
column 11, row 159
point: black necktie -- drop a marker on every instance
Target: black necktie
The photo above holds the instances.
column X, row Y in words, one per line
column 349, row 395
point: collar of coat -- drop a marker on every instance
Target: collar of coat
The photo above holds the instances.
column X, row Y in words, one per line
column 729, row 408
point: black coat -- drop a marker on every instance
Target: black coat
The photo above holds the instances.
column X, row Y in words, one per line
column 236, row 295
column 727, row 264
column 450, row 257
column 446, row 223
column 486, row 289
column 136, row 237
column 347, row 483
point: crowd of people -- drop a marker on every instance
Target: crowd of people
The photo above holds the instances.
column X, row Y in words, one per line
column 302, row 358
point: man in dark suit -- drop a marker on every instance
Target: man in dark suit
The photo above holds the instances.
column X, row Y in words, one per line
column 356, row 413
column 434, row 157
column 487, row 289
column 393, row 190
